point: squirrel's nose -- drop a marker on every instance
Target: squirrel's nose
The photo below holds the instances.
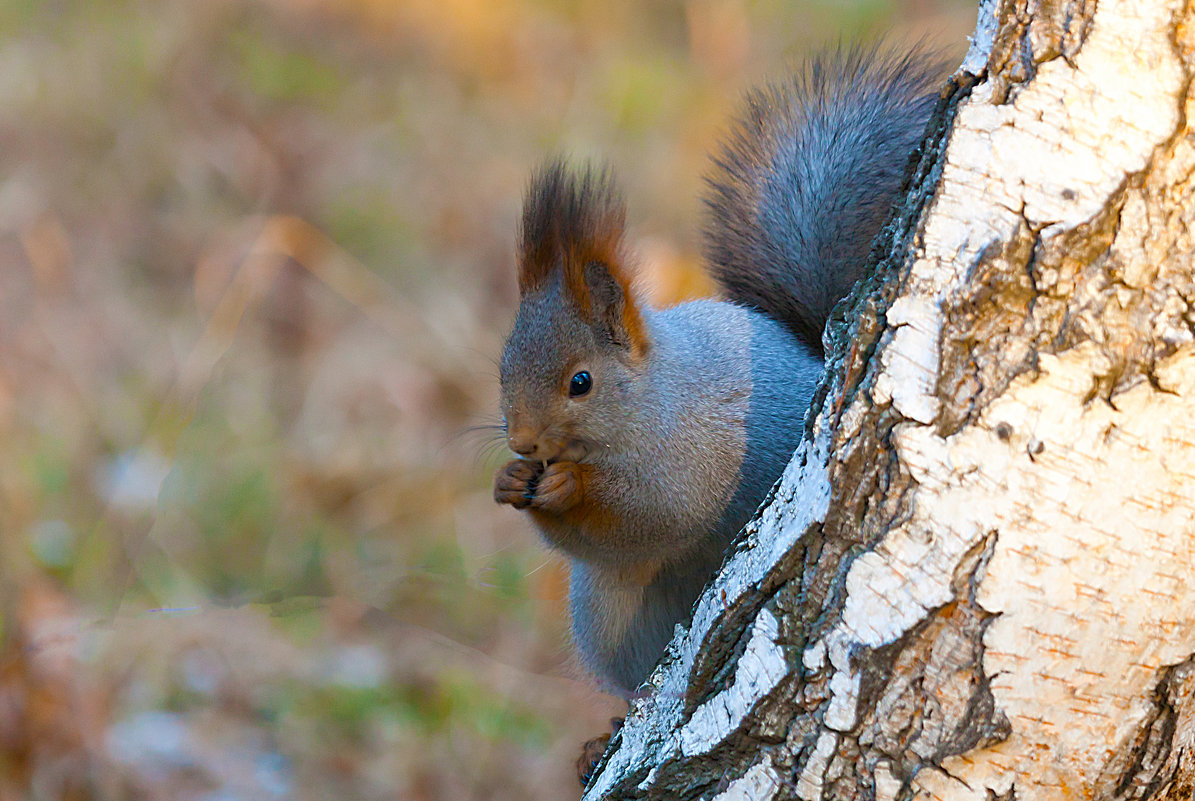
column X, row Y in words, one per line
column 523, row 442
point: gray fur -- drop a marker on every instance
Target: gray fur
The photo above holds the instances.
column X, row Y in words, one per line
column 685, row 433
column 678, row 482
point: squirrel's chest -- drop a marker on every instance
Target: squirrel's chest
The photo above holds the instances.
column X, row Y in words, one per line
column 689, row 471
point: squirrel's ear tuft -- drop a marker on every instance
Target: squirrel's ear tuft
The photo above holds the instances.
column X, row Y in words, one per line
column 573, row 222
column 569, row 214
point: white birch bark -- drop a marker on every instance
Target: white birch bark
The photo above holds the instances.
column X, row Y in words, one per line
column 977, row 577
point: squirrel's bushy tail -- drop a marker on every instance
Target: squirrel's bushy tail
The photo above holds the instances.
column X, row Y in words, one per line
column 808, row 175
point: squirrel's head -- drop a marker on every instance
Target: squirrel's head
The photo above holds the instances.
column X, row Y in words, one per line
column 579, row 341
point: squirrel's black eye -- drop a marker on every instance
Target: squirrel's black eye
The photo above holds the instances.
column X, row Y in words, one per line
column 580, row 384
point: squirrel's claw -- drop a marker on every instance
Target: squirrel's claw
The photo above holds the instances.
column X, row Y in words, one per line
column 591, row 754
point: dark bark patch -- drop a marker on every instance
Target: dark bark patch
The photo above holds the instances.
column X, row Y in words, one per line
column 1033, row 32
column 926, row 696
column 857, row 323
column 714, row 668
column 1158, row 761
column 984, row 344
column 1035, row 295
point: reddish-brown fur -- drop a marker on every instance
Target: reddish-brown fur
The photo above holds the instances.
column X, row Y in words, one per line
column 571, row 502
column 561, row 488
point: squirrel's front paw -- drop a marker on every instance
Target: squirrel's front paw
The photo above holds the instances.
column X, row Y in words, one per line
column 591, row 753
column 515, row 482
column 559, row 488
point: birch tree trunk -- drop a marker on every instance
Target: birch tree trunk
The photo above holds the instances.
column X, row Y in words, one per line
column 977, row 577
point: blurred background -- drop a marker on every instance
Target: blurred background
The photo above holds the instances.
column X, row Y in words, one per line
column 255, row 271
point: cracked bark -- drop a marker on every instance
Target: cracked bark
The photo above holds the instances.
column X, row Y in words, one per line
column 976, row 580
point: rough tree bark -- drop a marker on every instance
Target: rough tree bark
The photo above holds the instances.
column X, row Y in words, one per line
column 976, row 580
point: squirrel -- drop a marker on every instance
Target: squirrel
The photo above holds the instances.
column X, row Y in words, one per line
column 646, row 438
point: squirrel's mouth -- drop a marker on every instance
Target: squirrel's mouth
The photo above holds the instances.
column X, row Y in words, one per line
column 573, row 450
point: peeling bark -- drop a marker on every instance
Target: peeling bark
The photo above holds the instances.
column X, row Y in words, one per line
column 976, row 579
